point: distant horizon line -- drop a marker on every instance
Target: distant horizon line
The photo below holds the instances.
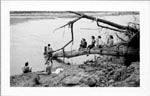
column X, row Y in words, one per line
column 67, row 14
column 134, row 12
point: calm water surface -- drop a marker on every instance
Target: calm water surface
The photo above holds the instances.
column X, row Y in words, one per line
column 28, row 39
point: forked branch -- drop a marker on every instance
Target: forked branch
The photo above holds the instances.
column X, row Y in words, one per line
column 118, row 27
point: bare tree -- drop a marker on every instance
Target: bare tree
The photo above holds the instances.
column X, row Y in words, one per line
column 132, row 30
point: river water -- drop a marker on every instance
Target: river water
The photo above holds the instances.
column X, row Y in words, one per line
column 28, row 39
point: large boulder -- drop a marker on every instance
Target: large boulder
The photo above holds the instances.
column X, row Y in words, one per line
column 90, row 81
column 72, row 81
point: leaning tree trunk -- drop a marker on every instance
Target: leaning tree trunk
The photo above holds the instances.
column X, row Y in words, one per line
column 130, row 50
column 103, row 51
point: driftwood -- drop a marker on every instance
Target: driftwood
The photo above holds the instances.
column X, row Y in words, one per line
column 128, row 30
column 102, row 51
column 131, row 47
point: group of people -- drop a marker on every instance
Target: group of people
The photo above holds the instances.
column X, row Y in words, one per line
column 95, row 42
column 49, row 51
column 49, row 63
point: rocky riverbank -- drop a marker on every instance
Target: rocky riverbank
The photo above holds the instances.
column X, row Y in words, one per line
column 93, row 73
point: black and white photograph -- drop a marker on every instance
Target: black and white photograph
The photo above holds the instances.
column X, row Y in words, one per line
column 74, row 49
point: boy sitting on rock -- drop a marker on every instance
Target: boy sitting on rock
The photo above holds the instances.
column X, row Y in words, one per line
column 26, row 68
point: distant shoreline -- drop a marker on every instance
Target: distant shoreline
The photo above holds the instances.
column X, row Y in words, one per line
column 23, row 16
column 65, row 14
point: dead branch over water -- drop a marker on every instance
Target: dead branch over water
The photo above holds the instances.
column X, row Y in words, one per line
column 131, row 31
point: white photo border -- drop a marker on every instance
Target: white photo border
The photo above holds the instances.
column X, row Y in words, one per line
column 142, row 7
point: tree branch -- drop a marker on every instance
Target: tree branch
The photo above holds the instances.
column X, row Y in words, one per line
column 110, row 28
column 69, row 41
column 104, row 21
column 102, row 51
column 120, row 38
column 120, row 28
column 69, row 23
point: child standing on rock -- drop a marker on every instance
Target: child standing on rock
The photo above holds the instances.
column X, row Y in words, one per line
column 49, row 64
